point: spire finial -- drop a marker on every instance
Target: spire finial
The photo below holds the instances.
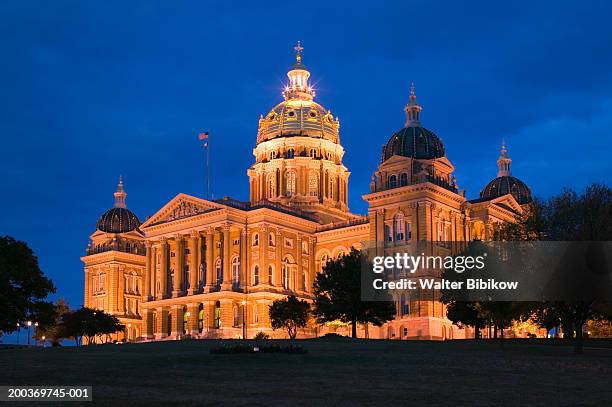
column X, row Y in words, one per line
column 503, row 162
column 120, row 194
column 298, row 52
column 413, row 109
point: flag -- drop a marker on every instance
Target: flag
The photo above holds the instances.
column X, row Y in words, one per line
column 203, row 136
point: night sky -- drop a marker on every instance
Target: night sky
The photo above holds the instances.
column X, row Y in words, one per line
column 90, row 90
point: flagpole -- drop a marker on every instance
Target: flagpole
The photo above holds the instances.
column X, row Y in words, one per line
column 207, row 169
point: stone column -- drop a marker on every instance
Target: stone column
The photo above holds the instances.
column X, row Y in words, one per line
column 278, row 260
column 147, row 272
column 414, row 221
column 87, row 297
column 177, row 321
column 161, row 330
column 298, row 279
column 180, row 267
column 244, row 264
column 263, row 254
column 227, row 245
column 147, row 318
column 121, row 290
column 153, row 281
column 163, row 269
column 312, row 266
column 210, row 258
column 227, row 313
column 192, row 319
column 193, row 263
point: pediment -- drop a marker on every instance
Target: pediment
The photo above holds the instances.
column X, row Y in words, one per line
column 180, row 207
column 508, row 201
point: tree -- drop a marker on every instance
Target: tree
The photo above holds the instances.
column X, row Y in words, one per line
column 463, row 313
column 337, row 291
column 23, row 286
column 89, row 323
column 290, row 314
column 568, row 217
column 52, row 328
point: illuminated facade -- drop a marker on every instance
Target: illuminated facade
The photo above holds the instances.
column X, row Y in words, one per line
column 210, row 269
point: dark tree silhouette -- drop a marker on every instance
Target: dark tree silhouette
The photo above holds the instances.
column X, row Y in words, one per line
column 290, row 314
column 337, row 291
column 23, row 286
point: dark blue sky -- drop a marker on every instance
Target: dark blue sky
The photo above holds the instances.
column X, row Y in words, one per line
column 93, row 89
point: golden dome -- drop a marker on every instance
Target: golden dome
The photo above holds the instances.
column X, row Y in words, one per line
column 298, row 114
column 295, row 117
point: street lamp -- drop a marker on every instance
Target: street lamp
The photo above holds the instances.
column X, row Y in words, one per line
column 29, row 324
column 244, row 319
column 127, row 332
column 35, row 329
column 43, row 340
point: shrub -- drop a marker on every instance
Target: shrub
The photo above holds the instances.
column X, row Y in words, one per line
column 262, row 335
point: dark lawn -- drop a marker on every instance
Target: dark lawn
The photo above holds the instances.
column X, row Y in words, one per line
column 333, row 372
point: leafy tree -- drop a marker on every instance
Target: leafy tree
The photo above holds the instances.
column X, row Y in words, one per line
column 567, row 217
column 51, row 328
column 89, row 323
column 23, row 286
column 337, row 291
column 463, row 313
column 290, row 314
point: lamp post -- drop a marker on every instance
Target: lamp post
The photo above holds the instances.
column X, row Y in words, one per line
column 127, row 333
column 29, row 324
column 35, row 330
column 244, row 319
column 43, row 341
column 18, row 332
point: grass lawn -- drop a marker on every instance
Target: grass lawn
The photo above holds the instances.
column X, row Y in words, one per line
column 333, row 372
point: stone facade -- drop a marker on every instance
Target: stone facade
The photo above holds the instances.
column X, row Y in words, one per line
column 211, row 269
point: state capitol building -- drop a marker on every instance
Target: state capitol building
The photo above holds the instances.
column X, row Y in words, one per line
column 204, row 267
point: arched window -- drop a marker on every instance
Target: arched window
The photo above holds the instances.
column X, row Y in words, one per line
column 201, row 318
column 272, row 155
column 255, row 239
column 303, row 282
column 313, row 184
column 403, row 179
column 185, row 321
column 217, row 321
column 270, row 274
column 271, row 239
column 392, row 181
column 290, row 153
column 255, row 316
column 169, row 332
column 236, row 271
column 219, row 270
column 256, row 275
column 330, row 188
column 291, row 183
column 313, row 152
